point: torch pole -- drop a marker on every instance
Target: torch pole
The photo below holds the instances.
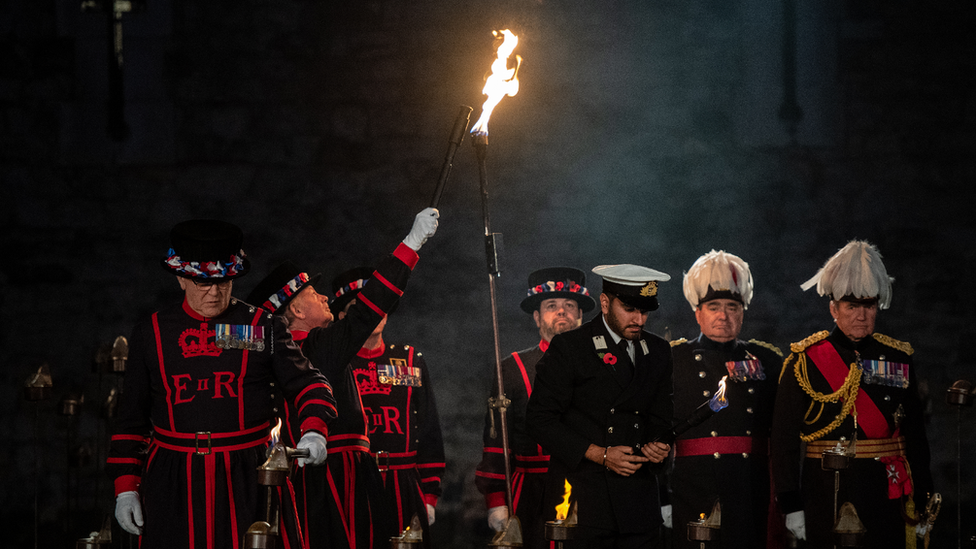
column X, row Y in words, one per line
column 453, row 142
column 480, row 142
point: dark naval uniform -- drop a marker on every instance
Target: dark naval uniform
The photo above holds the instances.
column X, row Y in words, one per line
column 891, row 469
column 404, row 429
column 530, row 463
column 726, row 458
column 587, row 392
column 343, row 504
column 194, row 420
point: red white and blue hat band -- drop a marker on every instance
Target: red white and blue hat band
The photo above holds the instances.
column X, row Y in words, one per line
column 354, row 286
column 557, row 286
column 209, row 269
column 284, row 294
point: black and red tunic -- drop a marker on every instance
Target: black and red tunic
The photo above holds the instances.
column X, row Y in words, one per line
column 404, row 428
column 343, row 503
column 529, row 464
column 194, row 420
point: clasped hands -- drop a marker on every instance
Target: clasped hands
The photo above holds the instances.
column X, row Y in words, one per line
column 623, row 460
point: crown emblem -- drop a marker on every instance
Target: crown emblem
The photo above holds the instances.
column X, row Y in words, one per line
column 200, row 342
column 649, row 290
column 368, row 382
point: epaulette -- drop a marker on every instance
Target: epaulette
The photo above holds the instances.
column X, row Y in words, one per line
column 678, row 341
column 769, row 346
column 902, row 346
column 801, row 346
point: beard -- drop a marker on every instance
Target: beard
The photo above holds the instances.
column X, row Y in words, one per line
column 558, row 326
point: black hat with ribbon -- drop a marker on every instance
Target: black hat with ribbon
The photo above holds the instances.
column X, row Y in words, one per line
column 281, row 285
column 553, row 282
column 347, row 285
column 206, row 249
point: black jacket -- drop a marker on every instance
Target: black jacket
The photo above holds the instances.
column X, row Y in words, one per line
column 580, row 399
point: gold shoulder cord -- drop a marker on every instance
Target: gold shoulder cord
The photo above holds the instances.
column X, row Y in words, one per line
column 847, row 392
column 769, row 346
column 902, row 346
column 675, row 342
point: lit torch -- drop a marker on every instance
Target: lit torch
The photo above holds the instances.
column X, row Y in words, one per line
column 501, row 82
column 561, row 529
column 707, row 409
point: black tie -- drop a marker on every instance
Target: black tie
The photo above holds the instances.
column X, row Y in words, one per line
column 625, row 350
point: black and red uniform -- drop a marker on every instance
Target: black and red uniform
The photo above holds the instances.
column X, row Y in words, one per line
column 194, row 421
column 726, row 458
column 891, row 464
column 529, row 464
column 404, row 429
column 342, row 504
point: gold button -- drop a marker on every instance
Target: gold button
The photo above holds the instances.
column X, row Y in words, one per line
column 707, row 393
column 717, row 455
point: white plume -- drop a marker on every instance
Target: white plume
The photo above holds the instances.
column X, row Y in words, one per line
column 721, row 271
column 857, row 270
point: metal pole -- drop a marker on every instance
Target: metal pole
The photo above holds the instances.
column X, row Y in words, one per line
column 480, row 142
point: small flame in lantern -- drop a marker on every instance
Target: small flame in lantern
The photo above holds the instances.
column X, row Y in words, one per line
column 719, row 402
column 275, row 434
column 563, row 508
column 501, row 82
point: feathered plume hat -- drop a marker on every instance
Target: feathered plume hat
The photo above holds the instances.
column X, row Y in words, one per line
column 718, row 275
column 854, row 273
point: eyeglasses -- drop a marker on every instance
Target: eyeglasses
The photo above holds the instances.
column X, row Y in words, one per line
column 207, row 284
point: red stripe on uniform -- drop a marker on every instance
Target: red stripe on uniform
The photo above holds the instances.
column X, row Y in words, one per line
column 189, row 497
column 337, row 499
column 310, row 387
column 230, row 496
column 370, row 304
column 325, row 403
column 387, row 283
column 124, row 461
column 525, row 374
column 407, row 255
column 138, row 438
column 162, row 369
column 210, row 483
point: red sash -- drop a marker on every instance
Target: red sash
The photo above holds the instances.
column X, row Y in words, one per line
column 869, row 417
column 835, row 371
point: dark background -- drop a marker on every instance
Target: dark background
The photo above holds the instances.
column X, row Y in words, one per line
column 644, row 132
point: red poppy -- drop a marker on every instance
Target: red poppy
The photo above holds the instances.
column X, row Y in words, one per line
column 609, row 359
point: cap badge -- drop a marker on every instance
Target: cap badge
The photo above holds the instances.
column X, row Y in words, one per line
column 649, row 290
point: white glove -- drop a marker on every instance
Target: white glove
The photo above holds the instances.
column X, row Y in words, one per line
column 430, row 514
column 128, row 511
column 797, row 524
column 317, row 449
column 666, row 515
column 497, row 517
column 424, row 227
column 922, row 528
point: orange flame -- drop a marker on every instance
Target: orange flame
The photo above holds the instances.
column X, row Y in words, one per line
column 501, row 82
column 276, row 433
column 563, row 508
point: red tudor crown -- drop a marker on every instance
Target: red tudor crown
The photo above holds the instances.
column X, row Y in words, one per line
column 368, row 381
column 200, row 342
